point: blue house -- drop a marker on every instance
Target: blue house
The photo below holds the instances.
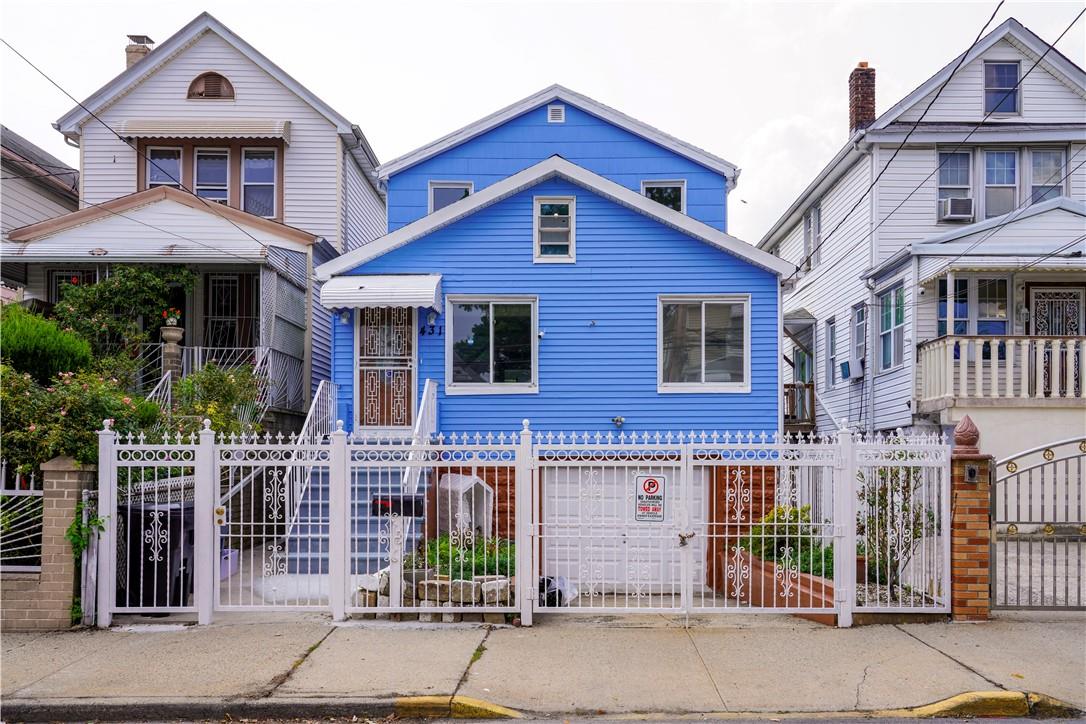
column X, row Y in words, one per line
column 562, row 262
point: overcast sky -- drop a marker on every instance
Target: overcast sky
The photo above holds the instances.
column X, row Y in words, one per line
column 763, row 85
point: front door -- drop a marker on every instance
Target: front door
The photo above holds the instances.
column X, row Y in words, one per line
column 1058, row 312
column 386, row 367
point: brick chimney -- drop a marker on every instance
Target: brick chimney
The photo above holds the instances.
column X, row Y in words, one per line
column 137, row 49
column 861, row 97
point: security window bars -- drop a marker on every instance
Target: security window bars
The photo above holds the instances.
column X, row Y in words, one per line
column 704, row 345
column 1000, row 87
column 163, row 167
column 671, row 194
column 212, row 174
column 554, row 229
column 491, row 345
column 1046, row 174
column 1000, row 182
column 258, row 182
column 891, row 328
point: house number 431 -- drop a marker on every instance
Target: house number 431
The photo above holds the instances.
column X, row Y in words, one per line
column 431, row 329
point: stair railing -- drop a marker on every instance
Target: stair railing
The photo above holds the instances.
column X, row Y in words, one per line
column 424, row 431
column 318, row 425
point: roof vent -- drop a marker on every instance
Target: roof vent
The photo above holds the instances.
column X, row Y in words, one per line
column 556, row 114
column 211, row 85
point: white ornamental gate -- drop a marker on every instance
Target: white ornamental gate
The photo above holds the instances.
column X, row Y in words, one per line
column 524, row 523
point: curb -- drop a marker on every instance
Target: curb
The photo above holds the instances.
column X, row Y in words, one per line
column 969, row 704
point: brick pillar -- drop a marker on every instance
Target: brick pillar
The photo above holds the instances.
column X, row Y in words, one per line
column 171, row 351
column 970, row 526
column 43, row 601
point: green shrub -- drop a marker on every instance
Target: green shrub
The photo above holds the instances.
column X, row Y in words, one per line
column 461, row 561
column 38, row 346
column 785, row 535
column 224, row 396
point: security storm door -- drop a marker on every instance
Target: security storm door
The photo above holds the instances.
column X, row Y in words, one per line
column 230, row 317
column 1058, row 312
column 386, row 367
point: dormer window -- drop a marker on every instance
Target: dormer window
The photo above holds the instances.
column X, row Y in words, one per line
column 554, row 229
column 211, row 86
column 1001, row 87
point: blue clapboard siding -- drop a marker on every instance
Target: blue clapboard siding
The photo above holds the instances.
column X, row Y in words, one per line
column 588, row 374
column 584, row 139
column 343, row 361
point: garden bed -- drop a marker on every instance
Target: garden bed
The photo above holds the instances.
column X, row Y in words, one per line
column 772, row 586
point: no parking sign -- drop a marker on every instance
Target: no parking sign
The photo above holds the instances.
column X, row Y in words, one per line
column 650, row 498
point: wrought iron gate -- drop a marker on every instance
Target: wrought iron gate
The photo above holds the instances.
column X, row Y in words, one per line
column 1038, row 509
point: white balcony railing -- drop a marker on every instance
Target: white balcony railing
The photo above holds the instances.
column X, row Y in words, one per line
column 1000, row 368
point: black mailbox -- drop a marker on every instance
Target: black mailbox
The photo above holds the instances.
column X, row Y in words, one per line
column 408, row 506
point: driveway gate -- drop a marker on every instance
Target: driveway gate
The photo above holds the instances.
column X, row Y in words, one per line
column 1038, row 509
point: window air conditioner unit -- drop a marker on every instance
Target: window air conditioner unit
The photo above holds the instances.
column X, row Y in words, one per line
column 852, row 369
column 956, row 209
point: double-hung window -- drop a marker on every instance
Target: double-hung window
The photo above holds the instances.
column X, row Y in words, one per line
column 831, row 353
column 1000, row 182
column 671, row 194
column 704, row 344
column 812, row 236
column 1001, row 87
column 491, row 345
column 444, row 193
column 555, row 229
column 961, row 307
column 891, row 327
column 954, row 180
column 213, row 174
column 859, row 335
column 992, row 312
column 163, row 167
column 1046, row 174
column 258, row 181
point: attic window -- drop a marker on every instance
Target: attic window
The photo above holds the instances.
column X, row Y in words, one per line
column 211, row 85
column 556, row 114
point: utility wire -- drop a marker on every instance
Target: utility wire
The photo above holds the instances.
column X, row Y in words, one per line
column 134, row 147
column 916, row 124
column 961, row 143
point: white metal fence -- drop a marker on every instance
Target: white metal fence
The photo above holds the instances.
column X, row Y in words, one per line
column 522, row 522
column 20, row 519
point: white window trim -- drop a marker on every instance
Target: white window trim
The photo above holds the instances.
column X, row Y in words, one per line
column 490, row 388
column 1017, row 91
column 972, row 301
column 983, row 178
column 812, row 236
column 831, row 353
column 470, row 185
column 1030, row 182
column 196, row 169
column 657, row 183
column 702, row 387
column 890, row 289
column 858, row 336
column 536, row 256
column 275, row 179
column 149, row 164
column 968, row 187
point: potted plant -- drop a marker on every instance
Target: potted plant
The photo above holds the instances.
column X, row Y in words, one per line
column 172, row 316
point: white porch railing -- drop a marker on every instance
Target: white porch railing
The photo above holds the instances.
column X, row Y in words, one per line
column 1001, row 368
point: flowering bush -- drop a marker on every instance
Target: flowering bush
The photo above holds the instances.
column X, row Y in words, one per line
column 227, row 397
column 41, row 422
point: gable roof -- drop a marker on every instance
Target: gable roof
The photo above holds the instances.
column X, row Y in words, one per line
column 1024, row 38
column 69, row 124
column 1056, row 63
column 40, row 167
column 1060, row 203
column 584, row 103
column 124, row 205
column 555, row 166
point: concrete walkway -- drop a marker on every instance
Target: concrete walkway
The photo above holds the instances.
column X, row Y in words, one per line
column 564, row 665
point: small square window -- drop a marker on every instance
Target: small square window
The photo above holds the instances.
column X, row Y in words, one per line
column 1001, row 87
column 446, row 193
column 555, row 229
column 671, row 194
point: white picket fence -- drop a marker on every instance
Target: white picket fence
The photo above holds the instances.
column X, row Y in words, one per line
column 520, row 523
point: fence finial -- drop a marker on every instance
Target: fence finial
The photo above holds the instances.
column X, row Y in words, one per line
column 339, row 425
column 207, row 424
column 966, row 437
column 524, row 422
column 107, row 424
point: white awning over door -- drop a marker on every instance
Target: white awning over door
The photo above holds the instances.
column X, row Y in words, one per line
column 383, row 290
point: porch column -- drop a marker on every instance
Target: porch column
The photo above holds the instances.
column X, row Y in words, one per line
column 970, row 526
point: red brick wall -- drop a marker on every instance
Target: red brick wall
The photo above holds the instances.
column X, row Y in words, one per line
column 970, row 542
column 725, row 527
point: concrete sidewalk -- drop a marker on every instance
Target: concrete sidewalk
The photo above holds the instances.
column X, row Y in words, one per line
column 565, row 665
